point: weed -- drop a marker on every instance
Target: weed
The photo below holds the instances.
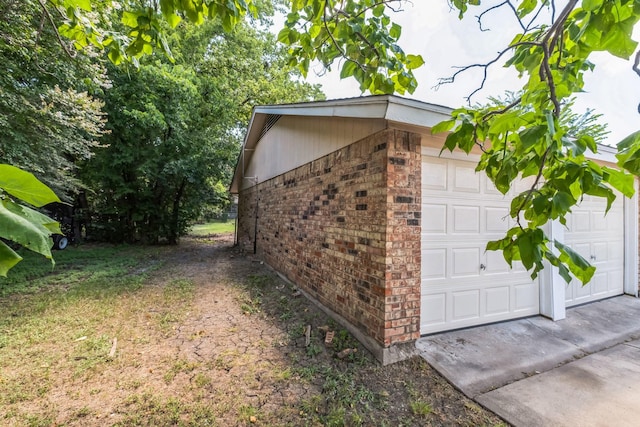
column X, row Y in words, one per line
column 343, row 340
column 285, row 316
column 282, row 375
column 314, row 349
column 420, row 408
column 148, row 410
column 201, row 380
column 311, row 406
column 250, row 305
column 35, row 420
column 307, row 372
column 337, row 417
column 247, row 413
column 259, row 280
column 82, row 412
column 179, row 366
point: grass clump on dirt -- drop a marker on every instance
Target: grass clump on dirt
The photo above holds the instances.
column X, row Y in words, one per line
column 194, row 335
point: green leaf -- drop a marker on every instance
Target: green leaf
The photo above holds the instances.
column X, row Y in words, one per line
column 395, row 31
column 8, row 259
column 578, row 266
column 591, row 5
column 621, row 181
column 83, row 4
column 526, row 248
column 26, row 227
column 348, row 69
column 25, row 186
column 414, row 61
column 561, row 204
column 618, row 42
column 629, row 153
column 130, row 19
column 172, row 19
column 443, row 126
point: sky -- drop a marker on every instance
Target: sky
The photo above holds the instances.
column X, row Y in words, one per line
column 431, row 29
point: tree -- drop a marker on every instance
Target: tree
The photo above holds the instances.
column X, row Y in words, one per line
column 49, row 120
column 358, row 33
column 175, row 129
column 528, row 137
column 49, row 116
column 553, row 56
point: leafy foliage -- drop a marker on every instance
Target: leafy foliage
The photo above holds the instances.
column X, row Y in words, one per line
column 49, row 116
column 531, row 137
column 359, row 34
column 19, row 223
column 175, row 130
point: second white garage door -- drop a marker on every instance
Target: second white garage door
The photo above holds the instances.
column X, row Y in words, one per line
column 600, row 240
column 462, row 284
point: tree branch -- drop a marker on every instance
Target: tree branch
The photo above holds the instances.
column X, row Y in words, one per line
column 451, row 79
column 334, row 41
column 497, row 6
column 532, row 189
column 55, row 29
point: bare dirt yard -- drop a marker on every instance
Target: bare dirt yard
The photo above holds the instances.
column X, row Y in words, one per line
column 199, row 335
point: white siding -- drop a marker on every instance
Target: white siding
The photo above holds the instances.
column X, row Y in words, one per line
column 294, row 141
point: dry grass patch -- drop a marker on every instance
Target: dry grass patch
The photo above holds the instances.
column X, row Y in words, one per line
column 205, row 337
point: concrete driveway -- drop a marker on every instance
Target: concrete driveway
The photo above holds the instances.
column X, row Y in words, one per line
column 583, row 370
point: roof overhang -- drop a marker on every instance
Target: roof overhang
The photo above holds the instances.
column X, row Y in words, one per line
column 396, row 110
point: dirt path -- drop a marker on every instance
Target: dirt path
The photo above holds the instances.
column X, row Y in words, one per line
column 214, row 338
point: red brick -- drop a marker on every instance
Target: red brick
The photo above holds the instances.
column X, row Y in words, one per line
column 357, row 262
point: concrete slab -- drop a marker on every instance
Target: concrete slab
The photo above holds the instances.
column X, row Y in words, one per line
column 484, row 358
column 596, row 326
column 480, row 359
column 602, row 389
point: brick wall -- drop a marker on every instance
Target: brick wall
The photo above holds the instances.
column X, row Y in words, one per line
column 346, row 229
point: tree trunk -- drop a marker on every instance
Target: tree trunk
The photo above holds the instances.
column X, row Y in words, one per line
column 175, row 214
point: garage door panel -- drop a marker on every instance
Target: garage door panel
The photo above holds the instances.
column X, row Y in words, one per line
column 599, row 284
column 466, row 262
column 435, row 174
column 600, row 223
column 615, row 277
column 466, row 219
column 466, row 305
column 495, row 263
column 580, row 222
column 466, row 179
column 497, row 300
column 526, row 298
column 616, row 250
column 496, row 219
column 434, row 263
column 436, row 222
column 600, row 253
column 433, row 309
column 583, row 249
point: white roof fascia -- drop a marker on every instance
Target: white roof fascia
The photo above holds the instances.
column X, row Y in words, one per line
column 605, row 153
column 387, row 107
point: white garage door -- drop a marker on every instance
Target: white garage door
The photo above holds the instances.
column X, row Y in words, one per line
column 462, row 285
column 600, row 240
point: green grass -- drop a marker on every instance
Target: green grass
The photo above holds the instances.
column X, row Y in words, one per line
column 85, row 266
column 213, row 228
column 58, row 327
